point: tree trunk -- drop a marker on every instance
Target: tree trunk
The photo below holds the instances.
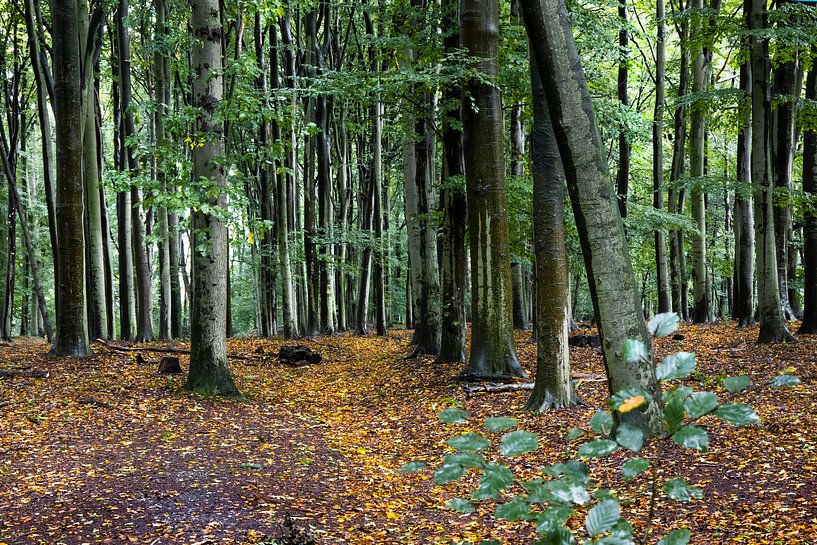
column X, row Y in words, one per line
column 72, row 321
column 613, row 286
column 553, row 387
column 809, row 324
column 623, row 174
column 744, row 289
column 702, row 288
column 492, row 345
column 662, row 277
column 772, row 324
column 162, row 99
column 454, row 209
column 208, row 344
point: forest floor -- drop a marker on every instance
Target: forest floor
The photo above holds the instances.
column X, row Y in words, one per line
column 108, row 451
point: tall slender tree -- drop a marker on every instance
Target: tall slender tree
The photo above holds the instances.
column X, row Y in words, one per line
column 809, row 324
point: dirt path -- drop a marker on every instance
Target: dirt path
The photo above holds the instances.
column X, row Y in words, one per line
column 106, row 451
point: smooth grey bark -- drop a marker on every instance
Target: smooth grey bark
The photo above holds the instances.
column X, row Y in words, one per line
column 809, row 324
column 162, row 100
column 772, row 323
column 144, row 323
column 613, row 286
column 209, row 373
column 782, row 161
column 72, row 321
column 660, row 238
column 553, row 387
column 702, row 288
column 493, row 354
column 744, row 289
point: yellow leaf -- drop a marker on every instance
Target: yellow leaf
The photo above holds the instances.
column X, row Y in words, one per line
column 632, row 403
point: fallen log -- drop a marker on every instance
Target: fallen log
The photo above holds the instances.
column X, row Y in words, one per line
column 162, row 350
column 298, row 356
column 29, row 373
column 519, row 386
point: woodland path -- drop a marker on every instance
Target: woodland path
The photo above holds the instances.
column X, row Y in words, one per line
column 107, row 451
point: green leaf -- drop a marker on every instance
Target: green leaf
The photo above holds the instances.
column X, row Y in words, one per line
column 495, row 479
column 629, row 436
column 448, row 473
column 497, row 424
column 460, row 505
column 675, row 366
column 678, row 393
column 559, row 536
column 469, row 441
column 737, row 414
column 613, row 540
column 629, row 399
column 412, row 467
column 676, row 537
column 663, row 324
column 518, row 442
column 634, row 467
column 574, row 469
column 601, row 422
column 602, row 517
column 633, row 350
column 691, row 436
column 598, row 448
column 784, row 381
column 568, row 491
column 453, row 416
column 674, row 414
column 490, row 542
column 700, row 403
column 516, row 509
column 552, row 518
column 574, row 433
column 678, row 489
column 465, row 459
column 736, row 384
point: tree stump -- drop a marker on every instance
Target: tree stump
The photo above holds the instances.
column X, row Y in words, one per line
column 298, row 356
column 170, row 366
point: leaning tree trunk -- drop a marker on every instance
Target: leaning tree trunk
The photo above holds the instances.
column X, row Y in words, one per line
column 553, row 387
column 744, row 290
column 208, row 344
column 772, row 324
column 72, row 321
column 613, row 286
column 492, row 345
column 809, row 324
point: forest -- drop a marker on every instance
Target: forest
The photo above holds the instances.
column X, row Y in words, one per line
column 289, row 272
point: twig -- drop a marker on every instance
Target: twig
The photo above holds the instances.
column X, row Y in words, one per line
column 163, row 350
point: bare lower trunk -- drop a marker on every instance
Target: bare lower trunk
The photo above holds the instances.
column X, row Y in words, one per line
column 809, row 324
column 744, row 296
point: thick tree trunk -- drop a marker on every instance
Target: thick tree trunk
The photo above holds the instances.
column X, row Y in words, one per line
column 610, row 273
column 492, row 345
column 809, row 324
column 553, row 387
column 772, row 324
column 744, row 289
column 208, row 345
column 72, row 320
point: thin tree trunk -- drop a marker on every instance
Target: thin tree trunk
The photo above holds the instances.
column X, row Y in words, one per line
column 162, row 98
column 623, row 174
column 772, row 324
column 809, row 324
column 744, row 289
column 662, row 279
